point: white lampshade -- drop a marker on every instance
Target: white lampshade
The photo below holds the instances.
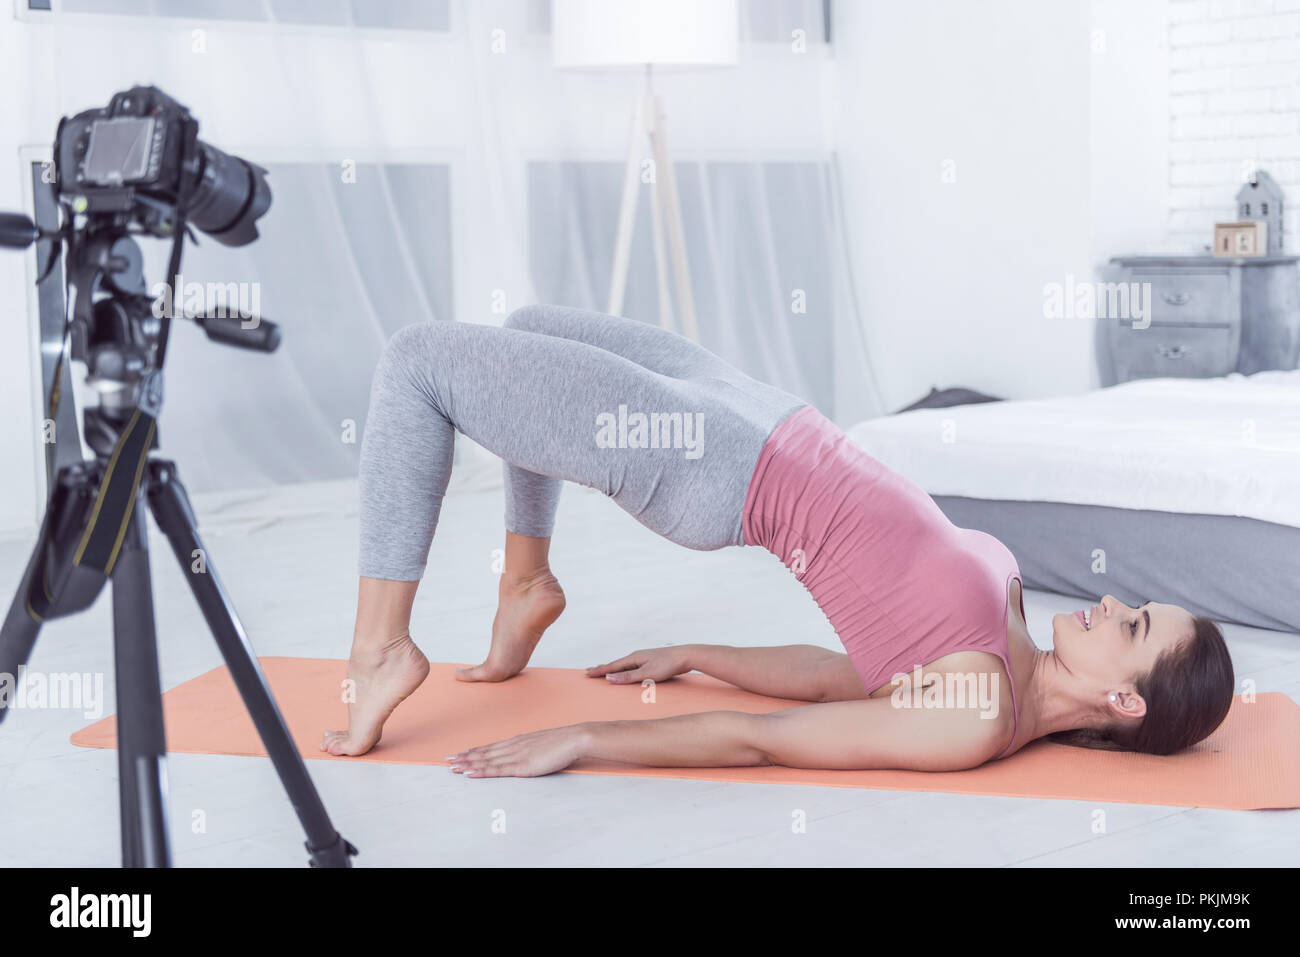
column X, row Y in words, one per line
column 601, row 33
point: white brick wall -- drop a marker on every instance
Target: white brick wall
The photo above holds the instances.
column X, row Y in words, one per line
column 1234, row 105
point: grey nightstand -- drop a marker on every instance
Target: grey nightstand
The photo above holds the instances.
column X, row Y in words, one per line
column 1209, row 316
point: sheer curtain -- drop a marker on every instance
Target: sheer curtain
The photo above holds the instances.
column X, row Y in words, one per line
column 429, row 164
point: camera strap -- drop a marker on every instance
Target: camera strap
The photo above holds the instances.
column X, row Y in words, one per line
column 119, row 487
column 180, row 228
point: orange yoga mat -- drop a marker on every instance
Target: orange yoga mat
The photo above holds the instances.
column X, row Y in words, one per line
column 1252, row 761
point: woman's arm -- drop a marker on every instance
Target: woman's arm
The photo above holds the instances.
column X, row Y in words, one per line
column 849, row 735
column 797, row 672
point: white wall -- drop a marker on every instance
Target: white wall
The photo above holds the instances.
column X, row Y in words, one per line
column 1129, row 139
column 1052, row 116
column 950, row 274
column 1235, row 90
column 18, row 423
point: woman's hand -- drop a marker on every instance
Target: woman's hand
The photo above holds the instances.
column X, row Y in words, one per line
column 524, row 755
column 657, row 664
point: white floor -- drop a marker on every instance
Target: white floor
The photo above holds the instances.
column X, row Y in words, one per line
column 288, row 559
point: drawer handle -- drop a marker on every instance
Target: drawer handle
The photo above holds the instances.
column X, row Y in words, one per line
column 1174, row 352
column 1176, row 298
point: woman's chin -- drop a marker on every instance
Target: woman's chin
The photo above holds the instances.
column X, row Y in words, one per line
column 1060, row 625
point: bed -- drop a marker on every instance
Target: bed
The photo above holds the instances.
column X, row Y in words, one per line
column 1177, row 490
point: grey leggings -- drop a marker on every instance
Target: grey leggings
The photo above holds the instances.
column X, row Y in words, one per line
column 667, row 429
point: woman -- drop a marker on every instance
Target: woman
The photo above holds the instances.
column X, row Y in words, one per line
column 939, row 671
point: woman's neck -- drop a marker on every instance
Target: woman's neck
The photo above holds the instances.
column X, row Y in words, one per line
column 1047, row 703
column 1046, row 706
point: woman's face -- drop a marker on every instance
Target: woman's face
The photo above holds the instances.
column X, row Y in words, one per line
column 1110, row 644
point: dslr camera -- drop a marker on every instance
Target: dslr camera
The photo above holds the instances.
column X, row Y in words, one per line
column 133, row 163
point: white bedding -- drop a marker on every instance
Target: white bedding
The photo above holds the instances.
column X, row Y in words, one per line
column 1227, row 446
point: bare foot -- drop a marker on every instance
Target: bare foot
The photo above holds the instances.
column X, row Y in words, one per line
column 382, row 679
column 525, row 609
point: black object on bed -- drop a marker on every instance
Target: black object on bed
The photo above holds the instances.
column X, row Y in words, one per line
column 946, row 398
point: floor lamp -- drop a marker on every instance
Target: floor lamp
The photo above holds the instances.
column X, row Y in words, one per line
column 610, row 34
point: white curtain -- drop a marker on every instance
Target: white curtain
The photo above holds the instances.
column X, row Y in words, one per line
column 429, row 164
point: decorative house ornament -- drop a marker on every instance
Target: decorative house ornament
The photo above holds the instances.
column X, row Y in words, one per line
column 1261, row 200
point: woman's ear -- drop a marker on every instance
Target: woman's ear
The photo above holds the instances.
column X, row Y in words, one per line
column 1126, row 704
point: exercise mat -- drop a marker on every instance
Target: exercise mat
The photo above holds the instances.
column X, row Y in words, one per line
column 1251, row 761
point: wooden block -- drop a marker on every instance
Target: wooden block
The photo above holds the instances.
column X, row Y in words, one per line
column 1240, row 240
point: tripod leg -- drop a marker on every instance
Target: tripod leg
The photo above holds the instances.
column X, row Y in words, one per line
column 21, row 626
column 50, row 567
column 141, row 748
column 23, row 623
column 171, row 509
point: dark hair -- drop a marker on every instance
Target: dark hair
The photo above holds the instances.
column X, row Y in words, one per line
column 1187, row 691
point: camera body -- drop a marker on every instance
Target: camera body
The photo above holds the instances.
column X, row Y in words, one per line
column 133, row 164
column 134, row 151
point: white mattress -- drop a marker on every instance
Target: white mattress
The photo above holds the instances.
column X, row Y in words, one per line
column 1227, row 446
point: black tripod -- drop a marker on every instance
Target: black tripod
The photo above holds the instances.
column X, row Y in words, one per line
column 95, row 530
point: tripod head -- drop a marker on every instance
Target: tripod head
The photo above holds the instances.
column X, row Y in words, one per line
column 117, row 328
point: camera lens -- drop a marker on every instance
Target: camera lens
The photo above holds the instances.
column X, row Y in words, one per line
column 231, row 195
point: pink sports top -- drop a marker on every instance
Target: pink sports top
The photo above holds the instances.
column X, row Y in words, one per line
column 901, row 585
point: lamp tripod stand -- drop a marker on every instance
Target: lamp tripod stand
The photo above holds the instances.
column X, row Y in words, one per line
column 650, row 128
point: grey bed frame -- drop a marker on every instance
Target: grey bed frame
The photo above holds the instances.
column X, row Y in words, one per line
column 1232, row 569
